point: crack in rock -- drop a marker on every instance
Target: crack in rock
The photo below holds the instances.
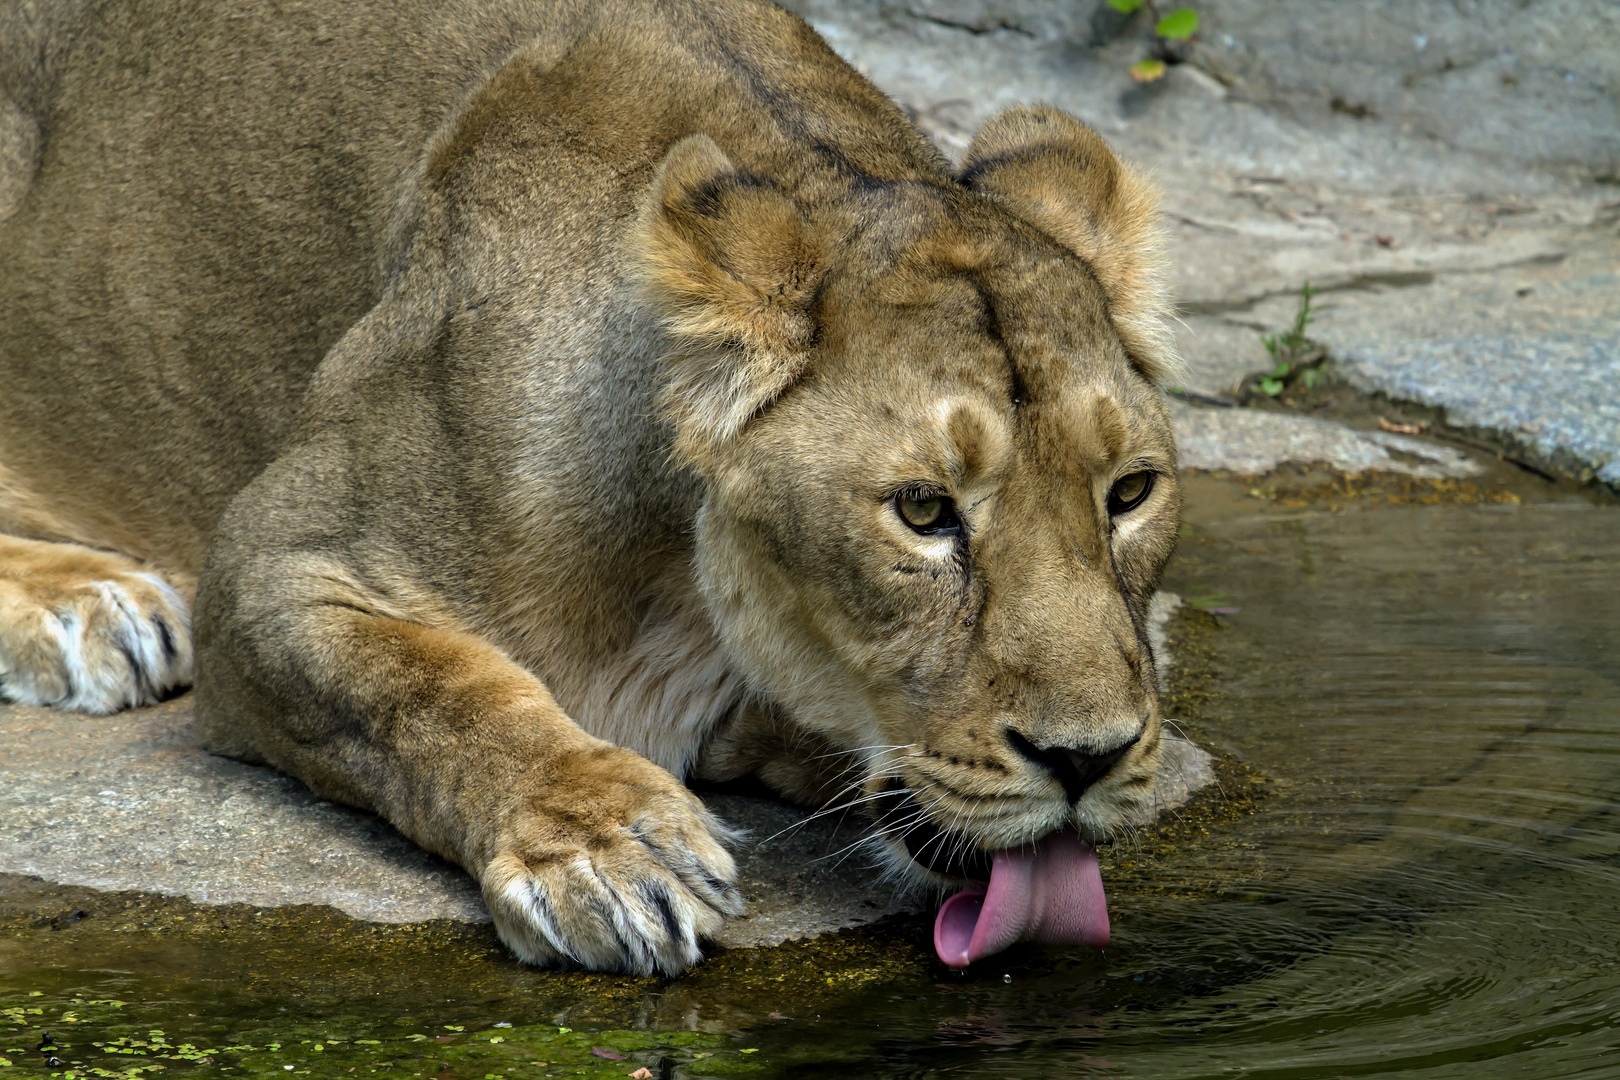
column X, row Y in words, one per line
column 977, row 30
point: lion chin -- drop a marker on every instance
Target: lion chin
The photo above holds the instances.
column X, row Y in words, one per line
column 507, row 412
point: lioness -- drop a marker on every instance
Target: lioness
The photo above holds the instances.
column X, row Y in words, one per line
column 542, row 402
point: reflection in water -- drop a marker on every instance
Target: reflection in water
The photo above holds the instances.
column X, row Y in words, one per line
column 1423, row 880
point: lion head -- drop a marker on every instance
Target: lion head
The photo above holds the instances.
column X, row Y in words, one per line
column 940, row 478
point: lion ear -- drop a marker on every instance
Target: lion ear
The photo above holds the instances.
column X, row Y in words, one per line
column 1059, row 175
column 733, row 268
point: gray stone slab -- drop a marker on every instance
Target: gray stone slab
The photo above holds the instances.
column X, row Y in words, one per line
column 130, row 802
column 1531, row 80
column 1529, row 351
column 1251, row 442
column 1532, row 352
column 1220, row 352
column 1561, row 395
column 1504, row 80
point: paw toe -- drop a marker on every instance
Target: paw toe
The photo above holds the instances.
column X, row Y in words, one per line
column 641, row 904
column 94, row 646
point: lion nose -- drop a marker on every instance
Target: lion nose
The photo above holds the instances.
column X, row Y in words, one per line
column 1075, row 767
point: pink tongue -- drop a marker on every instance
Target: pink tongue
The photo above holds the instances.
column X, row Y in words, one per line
column 1052, row 895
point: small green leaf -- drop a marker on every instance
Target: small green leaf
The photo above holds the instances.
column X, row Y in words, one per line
column 1178, row 25
column 1147, row 70
column 1271, row 386
column 1125, row 7
column 1311, row 377
column 1280, row 370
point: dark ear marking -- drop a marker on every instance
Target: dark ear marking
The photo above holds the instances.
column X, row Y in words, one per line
column 709, row 198
column 971, row 174
column 734, row 269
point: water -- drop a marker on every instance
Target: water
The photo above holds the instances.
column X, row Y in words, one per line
column 1412, row 869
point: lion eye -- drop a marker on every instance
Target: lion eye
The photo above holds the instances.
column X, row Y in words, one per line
column 930, row 515
column 1129, row 491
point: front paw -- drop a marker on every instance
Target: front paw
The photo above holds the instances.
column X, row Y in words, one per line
column 88, row 631
column 611, row 865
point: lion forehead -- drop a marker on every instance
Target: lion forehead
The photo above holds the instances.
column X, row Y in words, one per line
column 995, row 370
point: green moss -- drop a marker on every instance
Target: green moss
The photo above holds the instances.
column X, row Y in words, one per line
column 102, row 1039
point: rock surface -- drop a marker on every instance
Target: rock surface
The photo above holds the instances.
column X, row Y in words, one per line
column 1251, row 442
column 1531, row 351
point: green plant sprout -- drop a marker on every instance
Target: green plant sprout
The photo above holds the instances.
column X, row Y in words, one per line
column 1293, row 353
column 1169, row 30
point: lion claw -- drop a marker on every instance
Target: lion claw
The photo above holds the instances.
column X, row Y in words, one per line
column 637, row 898
column 93, row 642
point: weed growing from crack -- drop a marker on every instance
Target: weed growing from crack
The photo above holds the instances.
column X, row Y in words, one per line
column 1296, row 356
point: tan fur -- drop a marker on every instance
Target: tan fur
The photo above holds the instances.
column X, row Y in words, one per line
column 531, row 385
column 734, row 271
column 1061, row 176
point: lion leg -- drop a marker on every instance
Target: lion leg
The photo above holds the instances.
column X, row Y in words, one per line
column 88, row 630
column 588, row 854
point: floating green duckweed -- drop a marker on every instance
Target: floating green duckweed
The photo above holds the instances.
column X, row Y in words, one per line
column 98, row 1039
